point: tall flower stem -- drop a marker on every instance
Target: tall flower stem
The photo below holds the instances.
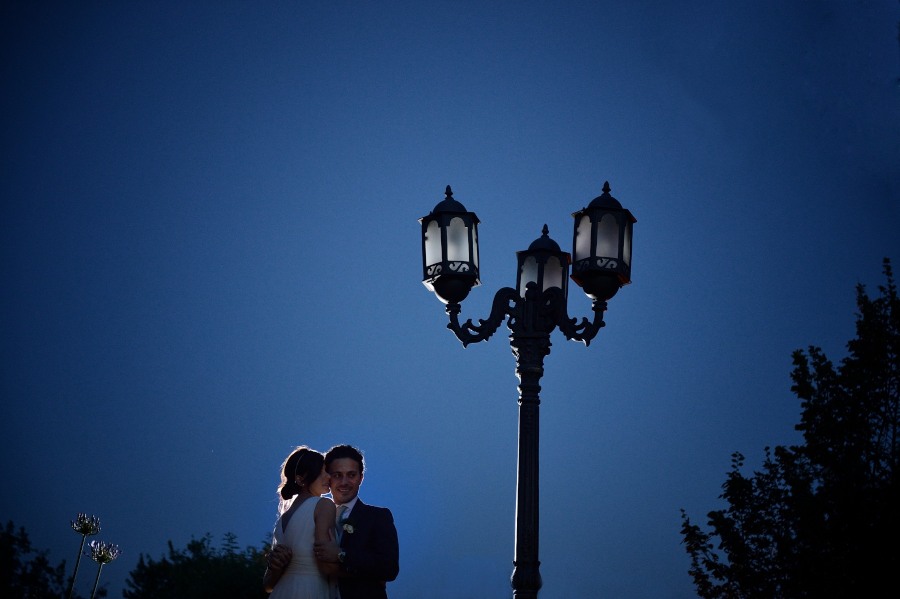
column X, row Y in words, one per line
column 84, row 525
column 96, row 581
column 77, row 562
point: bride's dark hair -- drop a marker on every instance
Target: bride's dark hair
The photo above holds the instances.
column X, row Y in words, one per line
column 303, row 463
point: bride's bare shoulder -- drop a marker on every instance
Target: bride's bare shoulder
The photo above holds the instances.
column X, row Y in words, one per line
column 325, row 505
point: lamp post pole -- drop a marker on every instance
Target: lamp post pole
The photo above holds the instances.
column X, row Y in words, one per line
column 532, row 311
column 529, row 350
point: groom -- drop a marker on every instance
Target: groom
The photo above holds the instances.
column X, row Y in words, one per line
column 366, row 550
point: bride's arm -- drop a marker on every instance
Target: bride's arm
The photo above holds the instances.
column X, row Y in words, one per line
column 324, row 516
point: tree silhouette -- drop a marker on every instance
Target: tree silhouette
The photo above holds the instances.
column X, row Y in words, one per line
column 26, row 571
column 200, row 571
column 819, row 519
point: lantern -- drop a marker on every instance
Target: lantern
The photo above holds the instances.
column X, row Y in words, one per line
column 543, row 264
column 450, row 250
column 602, row 246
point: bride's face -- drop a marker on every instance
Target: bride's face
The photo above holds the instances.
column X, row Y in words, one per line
column 321, row 485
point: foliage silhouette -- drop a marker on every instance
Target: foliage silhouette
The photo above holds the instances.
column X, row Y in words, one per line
column 200, row 571
column 26, row 572
column 820, row 519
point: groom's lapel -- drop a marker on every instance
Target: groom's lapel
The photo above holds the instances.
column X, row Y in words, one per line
column 353, row 519
column 358, row 512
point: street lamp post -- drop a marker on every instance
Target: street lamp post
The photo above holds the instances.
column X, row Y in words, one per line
column 602, row 264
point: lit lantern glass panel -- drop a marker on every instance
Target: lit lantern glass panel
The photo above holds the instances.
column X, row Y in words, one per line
column 457, row 241
column 529, row 274
column 553, row 273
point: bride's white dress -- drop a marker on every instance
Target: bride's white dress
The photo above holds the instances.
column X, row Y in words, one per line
column 301, row 579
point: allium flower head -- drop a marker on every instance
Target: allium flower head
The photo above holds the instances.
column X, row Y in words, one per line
column 86, row 525
column 102, row 552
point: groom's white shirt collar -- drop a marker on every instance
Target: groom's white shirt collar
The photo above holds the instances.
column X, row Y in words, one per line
column 349, row 505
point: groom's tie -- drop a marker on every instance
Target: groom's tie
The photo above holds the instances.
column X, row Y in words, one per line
column 339, row 521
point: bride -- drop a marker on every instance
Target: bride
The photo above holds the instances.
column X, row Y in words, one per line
column 306, row 517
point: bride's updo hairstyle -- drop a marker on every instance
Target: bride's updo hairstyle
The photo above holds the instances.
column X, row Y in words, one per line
column 303, row 463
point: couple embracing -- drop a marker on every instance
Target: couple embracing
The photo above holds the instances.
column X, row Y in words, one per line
column 324, row 549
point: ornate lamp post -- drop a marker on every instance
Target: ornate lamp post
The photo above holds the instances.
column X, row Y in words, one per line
column 602, row 242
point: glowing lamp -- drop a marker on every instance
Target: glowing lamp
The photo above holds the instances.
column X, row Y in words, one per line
column 450, row 250
column 602, row 246
column 543, row 264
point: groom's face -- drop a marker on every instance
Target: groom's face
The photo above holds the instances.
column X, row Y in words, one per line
column 345, row 479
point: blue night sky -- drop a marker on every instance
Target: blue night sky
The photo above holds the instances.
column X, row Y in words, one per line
column 210, row 254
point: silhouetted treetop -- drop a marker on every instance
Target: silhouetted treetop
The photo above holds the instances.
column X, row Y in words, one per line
column 819, row 519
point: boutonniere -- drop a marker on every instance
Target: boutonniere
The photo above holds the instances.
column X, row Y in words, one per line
column 348, row 528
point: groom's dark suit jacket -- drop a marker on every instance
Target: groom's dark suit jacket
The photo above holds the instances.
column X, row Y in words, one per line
column 372, row 553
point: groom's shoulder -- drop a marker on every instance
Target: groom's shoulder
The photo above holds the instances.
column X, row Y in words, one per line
column 376, row 510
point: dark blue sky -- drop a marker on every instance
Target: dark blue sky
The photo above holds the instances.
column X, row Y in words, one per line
column 210, row 254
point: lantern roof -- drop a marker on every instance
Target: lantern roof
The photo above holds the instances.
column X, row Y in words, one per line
column 605, row 200
column 448, row 204
column 544, row 242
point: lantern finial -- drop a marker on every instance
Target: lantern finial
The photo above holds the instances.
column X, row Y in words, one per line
column 545, row 231
column 606, row 187
column 449, row 193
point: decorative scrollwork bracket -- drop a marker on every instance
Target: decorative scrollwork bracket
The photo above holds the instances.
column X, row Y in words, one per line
column 585, row 330
column 537, row 313
column 505, row 304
